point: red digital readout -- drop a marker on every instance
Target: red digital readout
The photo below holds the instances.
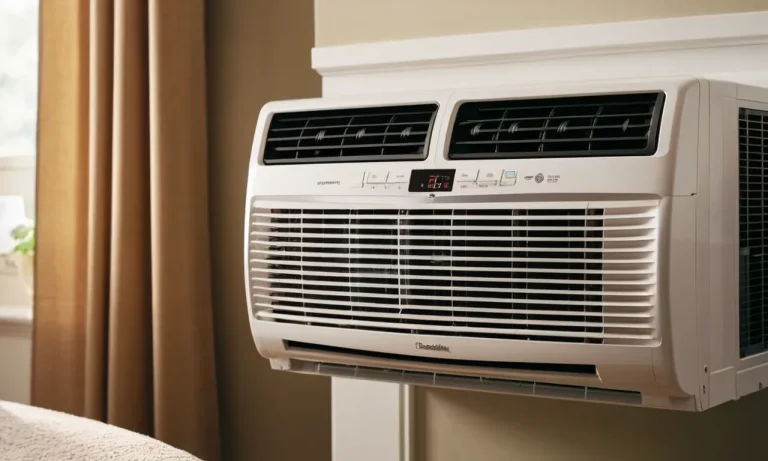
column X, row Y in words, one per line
column 439, row 182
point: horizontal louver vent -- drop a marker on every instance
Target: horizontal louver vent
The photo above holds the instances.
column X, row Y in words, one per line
column 582, row 369
column 579, row 126
column 371, row 134
column 475, row 383
column 563, row 274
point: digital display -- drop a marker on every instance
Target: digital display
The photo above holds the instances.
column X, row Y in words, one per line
column 431, row 180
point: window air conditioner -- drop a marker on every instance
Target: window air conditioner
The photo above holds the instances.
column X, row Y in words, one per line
column 600, row 241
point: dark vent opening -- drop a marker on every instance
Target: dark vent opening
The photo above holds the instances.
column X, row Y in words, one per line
column 511, row 366
column 578, row 126
column 370, row 134
column 753, row 232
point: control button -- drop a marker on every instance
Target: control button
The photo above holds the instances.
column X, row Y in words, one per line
column 377, row 177
column 486, row 183
column 465, row 185
column 396, row 177
column 510, row 174
column 466, row 175
column 489, row 175
column 508, row 182
column 395, row 187
column 376, row 187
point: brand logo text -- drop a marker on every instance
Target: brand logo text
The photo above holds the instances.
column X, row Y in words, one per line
column 433, row 347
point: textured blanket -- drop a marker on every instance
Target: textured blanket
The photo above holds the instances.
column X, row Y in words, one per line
column 34, row 434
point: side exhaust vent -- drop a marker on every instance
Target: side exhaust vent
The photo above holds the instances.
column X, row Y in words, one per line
column 578, row 126
column 753, row 229
column 366, row 134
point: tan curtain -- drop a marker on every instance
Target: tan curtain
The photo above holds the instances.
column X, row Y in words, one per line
column 123, row 323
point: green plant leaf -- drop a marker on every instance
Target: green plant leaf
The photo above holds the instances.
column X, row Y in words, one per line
column 25, row 239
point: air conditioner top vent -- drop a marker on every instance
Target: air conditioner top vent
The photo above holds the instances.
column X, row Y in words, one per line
column 366, row 134
column 575, row 126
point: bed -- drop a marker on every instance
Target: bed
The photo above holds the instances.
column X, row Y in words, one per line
column 35, row 434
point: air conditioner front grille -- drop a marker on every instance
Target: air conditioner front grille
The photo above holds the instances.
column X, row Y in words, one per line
column 370, row 134
column 753, row 231
column 578, row 126
column 565, row 274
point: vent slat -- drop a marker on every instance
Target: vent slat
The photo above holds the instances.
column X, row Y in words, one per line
column 403, row 327
column 753, row 232
column 307, row 292
column 500, row 238
column 404, row 267
column 353, row 278
column 360, row 249
column 302, row 256
column 485, row 217
column 339, row 136
column 566, row 274
column 544, row 140
column 555, row 117
column 553, row 309
column 441, row 318
column 578, row 126
column 531, row 313
column 416, row 286
column 366, row 134
column 555, row 128
column 352, row 125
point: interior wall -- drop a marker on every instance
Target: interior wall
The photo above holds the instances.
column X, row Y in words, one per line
column 457, row 425
column 257, row 50
column 340, row 22
column 15, row 356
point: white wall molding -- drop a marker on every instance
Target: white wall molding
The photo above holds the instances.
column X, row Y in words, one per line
column 374, row 421
column 657, row 35
column 730, row 46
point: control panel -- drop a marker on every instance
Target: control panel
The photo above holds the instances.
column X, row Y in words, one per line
column 436, row 180
column 486, row 178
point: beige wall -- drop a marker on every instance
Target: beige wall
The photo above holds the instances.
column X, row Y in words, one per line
column 339, row 22
column 460, row 426
column 15, row 357
column 257, row 50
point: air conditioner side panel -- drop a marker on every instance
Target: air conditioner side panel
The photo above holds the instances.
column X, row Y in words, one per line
column 676, row 361
column 703, row 250
column 723, row 208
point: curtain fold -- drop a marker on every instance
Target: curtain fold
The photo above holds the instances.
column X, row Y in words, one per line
column 123, row 319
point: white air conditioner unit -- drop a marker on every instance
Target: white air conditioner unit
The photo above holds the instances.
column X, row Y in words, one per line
column 602, row 241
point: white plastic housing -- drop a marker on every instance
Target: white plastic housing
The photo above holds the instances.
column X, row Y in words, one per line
column 688, row 190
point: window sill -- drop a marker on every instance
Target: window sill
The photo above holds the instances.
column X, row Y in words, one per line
column 17, row 162
column 16, row 317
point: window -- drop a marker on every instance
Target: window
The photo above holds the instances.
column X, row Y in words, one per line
column 18, row 136
column 18, row 76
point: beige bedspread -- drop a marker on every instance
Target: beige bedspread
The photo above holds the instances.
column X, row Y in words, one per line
column 33, row 434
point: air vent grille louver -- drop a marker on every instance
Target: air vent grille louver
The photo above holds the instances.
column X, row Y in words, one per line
column 371, row 134
column 578, row 126
column 753, row 231
column 565, row 274
column 477, row 383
